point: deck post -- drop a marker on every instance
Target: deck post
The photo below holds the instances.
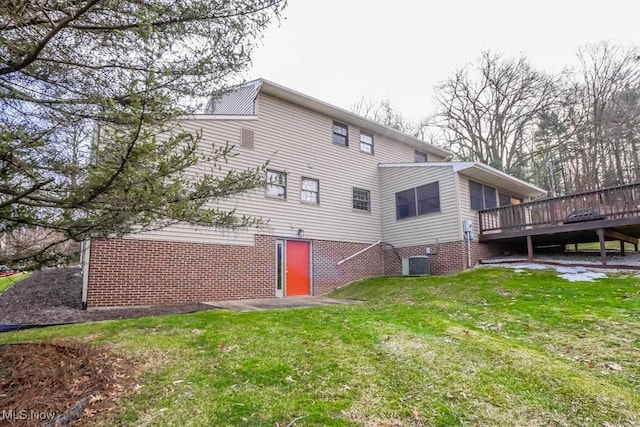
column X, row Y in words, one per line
column 622, row 248
column 603, row 249
column 530, row 248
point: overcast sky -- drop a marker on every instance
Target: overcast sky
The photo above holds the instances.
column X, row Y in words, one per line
column 341, row 51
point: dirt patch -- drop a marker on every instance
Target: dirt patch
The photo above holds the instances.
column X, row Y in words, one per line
column 41, row 381
column 55, row 296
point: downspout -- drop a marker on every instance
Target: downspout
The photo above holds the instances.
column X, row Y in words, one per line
column 359, row 252
column 468, row 237
column 85, row 255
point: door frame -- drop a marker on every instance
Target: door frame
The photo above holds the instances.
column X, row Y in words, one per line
column 282, row 292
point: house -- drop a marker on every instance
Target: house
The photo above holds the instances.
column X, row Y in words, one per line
column 348, row 199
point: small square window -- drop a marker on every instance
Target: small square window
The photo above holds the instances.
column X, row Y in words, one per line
column 310, row 190
column 340, row 134
column 361, row 199
column 366, row 142
column 420, row 156
column 276, row 184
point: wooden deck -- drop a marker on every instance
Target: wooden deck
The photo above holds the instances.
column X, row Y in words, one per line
column 592, row 216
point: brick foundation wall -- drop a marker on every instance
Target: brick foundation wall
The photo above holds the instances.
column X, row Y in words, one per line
column 126, row 272
column 445, row 258
column 328, row 275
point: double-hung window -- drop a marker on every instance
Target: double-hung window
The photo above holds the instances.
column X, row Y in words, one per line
column 366, row 142
column 340, row 134
column 276, row 184
column 310, row 190
column 361, row 200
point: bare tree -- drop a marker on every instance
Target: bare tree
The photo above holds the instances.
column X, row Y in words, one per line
column 600, row 117
column 384, row 113
column 488, row 110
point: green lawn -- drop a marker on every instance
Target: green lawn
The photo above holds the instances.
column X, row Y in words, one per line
column 486, row 347
column 7, row 281
column 595, row 246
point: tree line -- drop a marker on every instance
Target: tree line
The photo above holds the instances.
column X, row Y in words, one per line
column 574, row 131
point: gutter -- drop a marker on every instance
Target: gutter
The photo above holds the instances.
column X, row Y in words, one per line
column 85, row 255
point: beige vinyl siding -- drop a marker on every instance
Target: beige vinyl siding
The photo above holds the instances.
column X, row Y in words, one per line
column 191, row 234
column 466, row 213
column 437, row 227
column 299, row 142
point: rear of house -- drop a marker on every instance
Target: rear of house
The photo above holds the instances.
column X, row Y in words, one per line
column 338, row 206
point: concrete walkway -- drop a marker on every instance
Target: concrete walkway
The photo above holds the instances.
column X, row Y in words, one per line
column 245, row 305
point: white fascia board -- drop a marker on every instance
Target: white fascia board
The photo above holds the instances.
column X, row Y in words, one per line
column 487, row 172
column 523, row 186
column 216, row 117
column 420, row 165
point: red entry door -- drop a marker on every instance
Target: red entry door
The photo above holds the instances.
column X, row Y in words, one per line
column 297, row 270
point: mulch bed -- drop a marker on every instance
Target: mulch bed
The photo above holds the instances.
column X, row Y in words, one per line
column 40, row 382
column 61, row 378
column 55, row 296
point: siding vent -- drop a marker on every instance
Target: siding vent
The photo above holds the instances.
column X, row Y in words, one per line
column 246, row 138
column 416, row 266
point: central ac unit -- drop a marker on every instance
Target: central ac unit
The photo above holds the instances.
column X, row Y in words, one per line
column 416, row 266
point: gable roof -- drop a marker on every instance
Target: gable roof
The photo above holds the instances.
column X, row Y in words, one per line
column 241, row 101
column 481, row 172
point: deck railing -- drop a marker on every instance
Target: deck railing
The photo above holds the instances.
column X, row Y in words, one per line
column 607, row 203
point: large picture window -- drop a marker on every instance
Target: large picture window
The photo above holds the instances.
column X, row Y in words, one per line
column 482, row 196
column 418, row 201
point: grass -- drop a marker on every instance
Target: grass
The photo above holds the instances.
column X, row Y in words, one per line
column 486, row 347
column 595, row 246
column 8, row 281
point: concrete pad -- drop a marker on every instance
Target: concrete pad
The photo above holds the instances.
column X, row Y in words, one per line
column 246, row 305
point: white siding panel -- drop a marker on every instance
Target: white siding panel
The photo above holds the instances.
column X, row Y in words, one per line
column 440, row 227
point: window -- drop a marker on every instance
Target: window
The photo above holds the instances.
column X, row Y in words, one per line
column 406, row 203
column 420, row 156
column 361, row 199
column 418, row 201
column 340, row 134
column 366, row 142
column 507, row 200
column 276, row 184
column 310, row 190
column 428, row 198
column 482, row 196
